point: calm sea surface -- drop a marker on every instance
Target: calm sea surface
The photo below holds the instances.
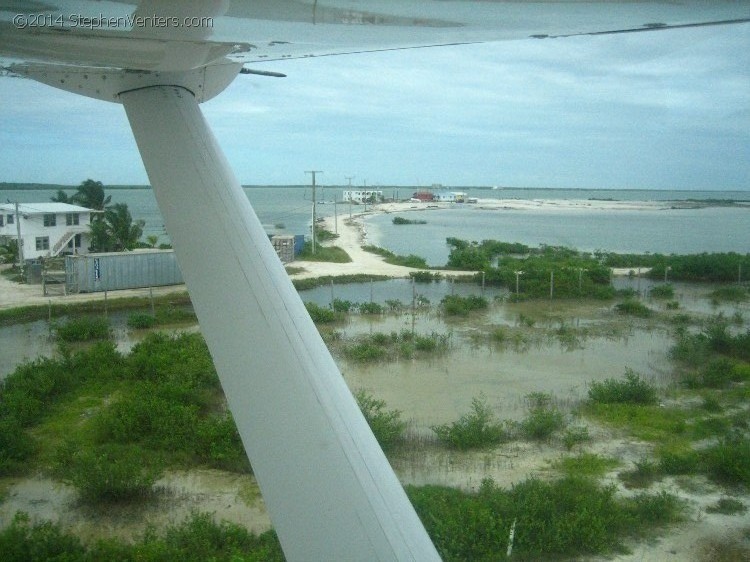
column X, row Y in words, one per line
column 288, row 210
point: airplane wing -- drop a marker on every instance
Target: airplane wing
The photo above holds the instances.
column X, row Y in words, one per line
column 328, row 487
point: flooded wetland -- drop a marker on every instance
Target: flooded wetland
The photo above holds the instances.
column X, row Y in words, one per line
column 507, row 357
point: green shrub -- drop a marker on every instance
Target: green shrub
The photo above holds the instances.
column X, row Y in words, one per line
column 731, row 293
column 321, row 315
column 159, row 416
column 23, row 541
column 632, row 390
column 665, row 291
column 691, row 349
column 15, row 446
column 386, row 425
column 141, row 321
column 181, row 358
column 728, row 462
column 645, row 473
column 475, row 429
column 575, row 436
column 394, row 305
column 634, row 308
column 401, row 221
column 661, row 508
column 27, row 394
column 86, row 328
column 455, row 305
column 543, row 418
column 218, row 444
column 425, row 276
column 365, row 352
column 674, row 462
column 342, row 306
column 107, row 473
column 727, row 506
column 370, row 308
column 171, row 314
column 719, row 373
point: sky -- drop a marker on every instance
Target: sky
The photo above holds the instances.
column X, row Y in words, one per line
column 658, row 110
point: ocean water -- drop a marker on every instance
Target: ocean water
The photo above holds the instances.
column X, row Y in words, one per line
column 282, row 209
column 667, row 231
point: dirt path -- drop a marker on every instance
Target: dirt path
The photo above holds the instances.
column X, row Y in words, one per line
column 352, row 235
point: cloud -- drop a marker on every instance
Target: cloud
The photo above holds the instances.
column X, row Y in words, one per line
column 662, row 109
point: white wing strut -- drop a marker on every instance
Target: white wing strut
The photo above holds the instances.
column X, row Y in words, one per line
column 328, row 487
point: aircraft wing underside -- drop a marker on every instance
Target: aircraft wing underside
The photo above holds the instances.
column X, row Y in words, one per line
column 328, row 487
column 159, row 35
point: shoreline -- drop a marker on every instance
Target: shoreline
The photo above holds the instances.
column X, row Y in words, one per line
column 352, row 236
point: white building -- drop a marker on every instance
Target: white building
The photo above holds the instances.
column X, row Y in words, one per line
column 452, row 197
column 363, row 195
column 47, row 229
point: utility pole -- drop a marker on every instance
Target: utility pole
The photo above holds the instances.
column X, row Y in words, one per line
column 313, row 172
column 335, row 213
column 350, row 178
column 551, row 284
column 20, row 241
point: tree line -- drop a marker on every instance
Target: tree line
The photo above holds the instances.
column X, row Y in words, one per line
column 531, row 271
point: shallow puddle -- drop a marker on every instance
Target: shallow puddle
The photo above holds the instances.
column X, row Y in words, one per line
column 440, row 389
column 231, row 497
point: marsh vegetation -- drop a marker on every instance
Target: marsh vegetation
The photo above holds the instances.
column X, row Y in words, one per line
column 589, row 457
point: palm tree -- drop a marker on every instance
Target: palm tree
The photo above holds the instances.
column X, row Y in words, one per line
column 90, row 194
column 116, row 231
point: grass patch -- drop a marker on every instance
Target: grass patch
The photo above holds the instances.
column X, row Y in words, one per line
column 570, row 517
column 24, row 314
column 323, row 253
column 196, row 539
column 305, row 284
column 586, row 464
column 649, row 423
column 389, row 257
